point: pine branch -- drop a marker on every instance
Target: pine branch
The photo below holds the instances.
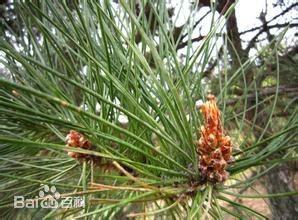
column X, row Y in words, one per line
column 275, row 17
column 267, row 91
column 268, row 27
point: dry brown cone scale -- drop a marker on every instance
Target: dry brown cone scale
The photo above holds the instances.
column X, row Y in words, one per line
column 214, row 147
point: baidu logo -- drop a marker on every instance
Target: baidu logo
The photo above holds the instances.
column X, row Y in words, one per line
column 48, row 198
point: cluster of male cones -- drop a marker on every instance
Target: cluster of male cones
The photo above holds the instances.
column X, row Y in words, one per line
column 77, row 140
column 214, row 147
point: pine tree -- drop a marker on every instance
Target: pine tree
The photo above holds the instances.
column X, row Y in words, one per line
column 98, row 103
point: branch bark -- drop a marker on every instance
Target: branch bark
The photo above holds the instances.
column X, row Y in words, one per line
column 283, row 89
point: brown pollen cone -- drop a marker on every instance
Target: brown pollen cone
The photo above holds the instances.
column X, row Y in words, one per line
column 77, row 140
column 215, row 150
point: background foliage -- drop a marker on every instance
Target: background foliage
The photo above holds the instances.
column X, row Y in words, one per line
column 87, row 65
